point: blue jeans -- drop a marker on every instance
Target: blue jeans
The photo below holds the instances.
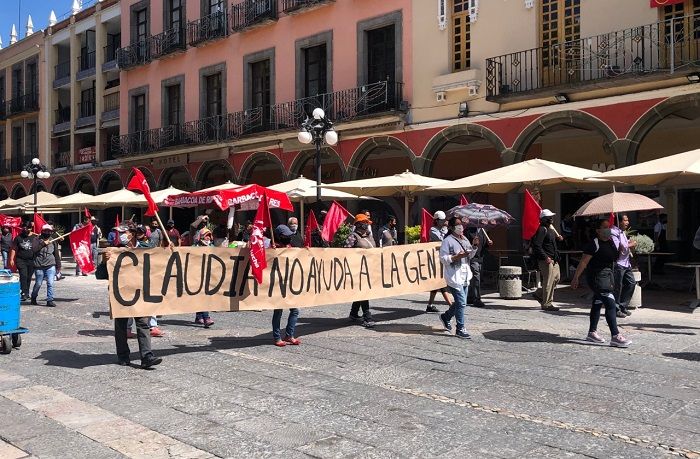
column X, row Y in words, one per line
column 44, row 273
column 201, row 315
column 6, row 259
column 291, row 323
column 458, row 306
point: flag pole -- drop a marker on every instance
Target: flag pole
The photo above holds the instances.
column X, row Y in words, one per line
column 165, row 233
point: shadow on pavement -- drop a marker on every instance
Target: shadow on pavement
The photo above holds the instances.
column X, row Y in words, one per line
column 691, row 356
column 525, row 336
column 101, row 332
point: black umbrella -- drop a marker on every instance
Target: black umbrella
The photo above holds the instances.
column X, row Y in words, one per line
column 481, row 215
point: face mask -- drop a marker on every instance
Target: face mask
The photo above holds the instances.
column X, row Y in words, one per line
column 459, row 230
column 605, row 233
column 361, row 228
column 171, row 226
column 206, row 241
column 294, row 227
column 123, row 239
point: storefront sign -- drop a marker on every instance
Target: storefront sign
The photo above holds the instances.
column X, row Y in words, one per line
column 86, row 155
column 170, row 161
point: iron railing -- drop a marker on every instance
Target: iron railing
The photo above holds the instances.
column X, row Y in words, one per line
column 661, row 47
column 3, row 110
column 87, row 60
column 135, row 54
column 207, row 28
column 251, row 12
column 86, row 106
column 168, row 42
column 62, row 70
column 25, row 103
column 110, row 53
column 62, row 115
column 111, row 102
column 289, row 6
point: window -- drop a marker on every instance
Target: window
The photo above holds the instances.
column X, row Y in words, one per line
column 213, row 103
column 560, row 23
column 141, row 24
column 32, row 78
column 173, row 105
column 315, row 70
column 17, row 141
column 139, row 104
column 2, row 88
column 679, row 18
column 17, row 82
column 461, row 36
column 2, row 145
column 381, row 57
column 175, row 16
column 260, row 95
column 32, row 140
column 214, row 6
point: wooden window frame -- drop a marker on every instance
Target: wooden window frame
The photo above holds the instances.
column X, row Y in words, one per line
column 465, row 18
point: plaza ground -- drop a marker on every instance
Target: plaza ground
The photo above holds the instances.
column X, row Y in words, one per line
column 526, row 385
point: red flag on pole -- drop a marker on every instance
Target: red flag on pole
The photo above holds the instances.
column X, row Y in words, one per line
column 611, row 219
column 427, row 222
column 463, row 201
column 531, row 216
column 311, row 225
column 138, row 182
column 39, row 222
column 88, row 215
column 80, row 245
column 116, row 221
column 13, row 222
column 258, row 261
column 337, row 214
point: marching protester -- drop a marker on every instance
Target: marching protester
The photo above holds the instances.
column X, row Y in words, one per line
column 6, row 245
column 95, row 239
column 361, row 238
column 455, row 253
column 46, row 260
column 173, row 233
column 297, row 238
column 22, row 256
column 545, row 250
column 388, row 235
column 437, row 234
column 599, row 257
column 624, row 279
column 284, row 237
column 205, row 240
column 156, row 236
column 474, row 290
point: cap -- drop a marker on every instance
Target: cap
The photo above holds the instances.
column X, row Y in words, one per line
column 47, row 227
column 439, row 215
column 93, row 219
column 141, row 229
column 204, row 231
column 121, row 229
column 546, row 213
column 362, row 218
column 283, row 230
column 171, row 222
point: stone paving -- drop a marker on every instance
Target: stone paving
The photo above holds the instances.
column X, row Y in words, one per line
column 526, row 385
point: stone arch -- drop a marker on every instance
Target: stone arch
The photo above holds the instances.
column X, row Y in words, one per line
column 18, row 191
column 60, row 187
column 248, row 173
column 306, row 158
column 179, row 177
column 3, row 193
column 212, row 173
column 85, row 184
column 462, row 134
column 39, row 187
column 572, row 118
column 146, row 173
column 370, row 146
column 110, row 181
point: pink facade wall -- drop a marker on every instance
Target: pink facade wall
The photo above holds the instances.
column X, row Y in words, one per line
column 341, row 17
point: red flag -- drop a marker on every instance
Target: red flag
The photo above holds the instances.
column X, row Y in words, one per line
column 13, row 222
column 88, row 215
column 39, row 222
column 611, row 219
column 427, row 222
column 337, row 214
column 662, row 3
column 463, row 201
column 311, row 225
column 116, row 221
column 80, row 245
column 138, row 182
column 531, row 216
column 258, row 261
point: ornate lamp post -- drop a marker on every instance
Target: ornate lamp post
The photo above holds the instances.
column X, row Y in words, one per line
column 317, row 130
column 36, row 171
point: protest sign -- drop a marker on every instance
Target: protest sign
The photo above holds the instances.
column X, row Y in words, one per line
column 165, row 281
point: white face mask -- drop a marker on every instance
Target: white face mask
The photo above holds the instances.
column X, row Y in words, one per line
column 294, row 227
column 443, row 230
column 459, row 230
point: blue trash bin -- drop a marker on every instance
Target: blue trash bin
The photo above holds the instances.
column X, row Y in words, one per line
column 9, row 301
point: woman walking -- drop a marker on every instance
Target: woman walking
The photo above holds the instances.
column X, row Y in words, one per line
column 599, row 256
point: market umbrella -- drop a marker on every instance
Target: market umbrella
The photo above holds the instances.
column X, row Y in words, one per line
column 617, row 202
column 224, row 186
column 481, row 215
column 71, row 203
column 405, row 184
column 43, row 198
column 536, row 173
column 680, row 169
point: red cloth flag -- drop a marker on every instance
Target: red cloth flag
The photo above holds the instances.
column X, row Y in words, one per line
column 311, row 225
column 80, row 245
column 88, row 215
column 427, row 222
column 116, row 221
column 13, row 222
column 531, row 216
column 39, row 222
column 337, row 214
column 463, row 201
column 611, row 219
column 662, row 3
column 258, row 261
column 138, row 182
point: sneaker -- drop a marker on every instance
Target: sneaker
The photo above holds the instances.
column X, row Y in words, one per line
column 355, row 318
column 150, row 361
column 199, row 321
column 292, row 340
column 157, row 332
column 627, row 312
column 550, row 308
column 621, row 315
column 432, row 309
column 33, row 302
column 445, row 323
column 208, row 322
column 619, row 341
column 368, row 323
column 51, row 304
column 462, row 333
column 130, row 335
column 594, row 337
column 280, row 343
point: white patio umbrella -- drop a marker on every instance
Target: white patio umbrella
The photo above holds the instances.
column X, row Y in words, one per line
column 43, row 198
column 680, row 169
column 223, row 186
column 405, row 184
column 616, row 202
column 160, row 196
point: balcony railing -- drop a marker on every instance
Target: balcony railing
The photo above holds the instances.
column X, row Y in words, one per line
column 110, row 53
column 168, row 42
column 207, row 28
column 252, row 12
column 3, row 110
column 137, row 53
column 86, row 107
column 660, row 48
column 26, row 103
column 62, row 70
column 343, row 105
column 111, row 102
column 61, row 159
column 289, row 6
column 62, row 121
column 87, row 60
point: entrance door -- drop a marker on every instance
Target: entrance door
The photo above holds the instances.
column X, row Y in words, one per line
column 681, row 32
column 381, row 57
column 561, row 29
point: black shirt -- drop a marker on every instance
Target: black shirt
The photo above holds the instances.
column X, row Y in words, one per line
column 6, row 241
column 604, row 257
column 23, row 247
column 544, row 244
column 296, row 240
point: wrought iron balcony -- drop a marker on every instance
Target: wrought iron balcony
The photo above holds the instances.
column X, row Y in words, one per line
column 87, row 60
column 249, row 13
column 135, row 54
column 25, row 103
column 62, row 72
column 290, row 6
column 650, row 50
column 5, row 167
column 207, row 28
column 62, row 120
column 110, row 57
column 3, row 110
column 168, row 42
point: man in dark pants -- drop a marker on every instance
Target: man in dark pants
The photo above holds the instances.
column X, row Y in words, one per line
column 474, row 291
column 624, row 279
column 361, row 238
column 22, row 256
column 545, row 251
column 143, row 336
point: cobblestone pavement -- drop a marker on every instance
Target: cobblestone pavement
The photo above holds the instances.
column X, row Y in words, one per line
column 527, row 385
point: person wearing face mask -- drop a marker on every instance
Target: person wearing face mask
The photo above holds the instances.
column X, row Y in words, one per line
column 388, row 235
column 156, row 236
column 545, row 250
column 5, row 245
column 173, row 233
column 297, row 240
column 361, row 238
column 437, row 233
column 624, row 278
column 22, row 256
column 284, row 238
column 205, row 240
column 455, row 253
column 46, row 260
column 599, row 258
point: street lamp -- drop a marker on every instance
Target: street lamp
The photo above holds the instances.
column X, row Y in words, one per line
column 317, row 130
column 36, row 171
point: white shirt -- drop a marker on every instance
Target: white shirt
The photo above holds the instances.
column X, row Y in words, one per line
column 457, row 273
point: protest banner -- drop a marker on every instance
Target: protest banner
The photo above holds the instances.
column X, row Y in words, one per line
column 164, row 281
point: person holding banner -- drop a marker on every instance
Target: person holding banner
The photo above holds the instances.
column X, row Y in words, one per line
column 361, row 238
column 205, row 240
column 22, row 257
column 455, row 253
column 437, row 234
column 46, row 260
column 284, row 237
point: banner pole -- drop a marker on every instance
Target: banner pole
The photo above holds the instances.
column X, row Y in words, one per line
column 165, row 233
